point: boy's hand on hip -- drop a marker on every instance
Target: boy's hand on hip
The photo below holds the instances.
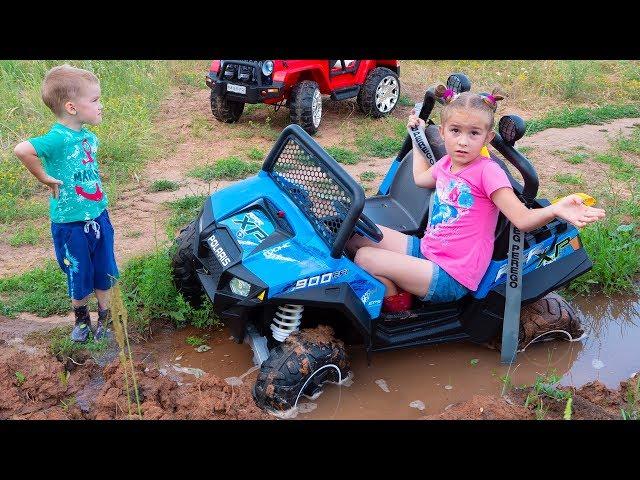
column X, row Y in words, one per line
column 53, row 184
column 572, row 209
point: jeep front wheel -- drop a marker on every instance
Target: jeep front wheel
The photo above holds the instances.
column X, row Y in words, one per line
column 379, row 93
column 306, row 106
column 227, row 111
column 183, row 267
column 299, row 366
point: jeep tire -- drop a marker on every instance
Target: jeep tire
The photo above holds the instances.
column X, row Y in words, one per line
column 547, row 318
column 306, row 359
column 227, row 111
column 305, row 104
column 379, row 93
column 183, row 267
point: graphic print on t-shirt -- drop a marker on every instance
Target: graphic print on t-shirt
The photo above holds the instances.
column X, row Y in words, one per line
column 452, row 201
column 87, row 174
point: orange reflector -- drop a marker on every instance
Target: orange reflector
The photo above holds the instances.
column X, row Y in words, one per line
column 272, row 90
column 575, row 243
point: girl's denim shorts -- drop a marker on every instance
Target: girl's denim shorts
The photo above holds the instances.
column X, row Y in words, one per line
column 443, row 287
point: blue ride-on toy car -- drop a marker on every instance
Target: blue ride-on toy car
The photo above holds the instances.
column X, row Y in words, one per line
column 269, row 251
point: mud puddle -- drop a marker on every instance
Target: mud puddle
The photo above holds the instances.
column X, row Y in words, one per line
column 422, row 381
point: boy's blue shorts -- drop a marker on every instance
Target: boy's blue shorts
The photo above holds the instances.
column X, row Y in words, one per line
column 443, row 287
column 84, row 251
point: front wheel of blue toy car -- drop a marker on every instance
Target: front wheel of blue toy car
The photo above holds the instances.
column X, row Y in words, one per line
column 183, row 267
column 299, row 366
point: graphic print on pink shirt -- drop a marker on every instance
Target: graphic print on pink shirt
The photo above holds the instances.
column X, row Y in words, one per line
column 457, row 200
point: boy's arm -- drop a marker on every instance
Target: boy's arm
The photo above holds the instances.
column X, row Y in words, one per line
column 422, row 173
column 570, row 208
column 28, row 156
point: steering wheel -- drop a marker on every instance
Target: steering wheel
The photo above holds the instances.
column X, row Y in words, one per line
column 366, row 227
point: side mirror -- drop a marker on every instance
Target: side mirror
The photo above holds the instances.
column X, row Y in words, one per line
column 459, row 82
column 511, row 129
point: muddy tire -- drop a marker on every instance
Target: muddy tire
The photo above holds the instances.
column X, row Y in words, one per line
column 551, row 312
column 224, row 110
column 183, row 267
column 305, row 104
column 298, row 363
column 379, row 93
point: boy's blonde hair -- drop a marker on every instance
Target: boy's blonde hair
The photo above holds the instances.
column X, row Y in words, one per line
column 64, row 83
column 467, row 100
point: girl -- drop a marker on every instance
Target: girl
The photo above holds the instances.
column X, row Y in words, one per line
column 470, row 189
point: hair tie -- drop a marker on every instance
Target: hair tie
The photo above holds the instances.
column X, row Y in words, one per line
column 447, row 94
column 490, row 100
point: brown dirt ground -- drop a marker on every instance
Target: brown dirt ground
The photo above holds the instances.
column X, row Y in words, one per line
column 35, row 385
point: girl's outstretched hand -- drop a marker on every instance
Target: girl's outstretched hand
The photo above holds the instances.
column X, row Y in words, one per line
column 571, row 209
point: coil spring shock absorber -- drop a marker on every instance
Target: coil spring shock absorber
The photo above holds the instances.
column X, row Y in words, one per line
column 286, row 321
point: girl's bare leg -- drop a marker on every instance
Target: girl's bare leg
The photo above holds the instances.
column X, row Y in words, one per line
column 395, row 269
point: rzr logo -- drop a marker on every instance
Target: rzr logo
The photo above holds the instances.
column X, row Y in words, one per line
column 248, row 226
column 219, row 252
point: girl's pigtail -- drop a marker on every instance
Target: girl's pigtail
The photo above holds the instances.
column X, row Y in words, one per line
column 446, row 94
column 493, row 98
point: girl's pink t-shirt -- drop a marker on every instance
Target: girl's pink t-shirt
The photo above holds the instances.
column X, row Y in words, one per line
column 460, row 234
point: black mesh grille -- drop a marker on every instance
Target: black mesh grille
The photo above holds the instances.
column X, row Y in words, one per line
column 241, row 73
column 305, row 179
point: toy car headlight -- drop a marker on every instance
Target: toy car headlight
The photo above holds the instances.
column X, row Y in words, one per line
column 239, row 287
column 267, row 68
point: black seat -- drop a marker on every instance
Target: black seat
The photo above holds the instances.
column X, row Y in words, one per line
column 406, row 207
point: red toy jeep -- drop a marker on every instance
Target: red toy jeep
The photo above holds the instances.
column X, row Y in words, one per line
column 297, row 84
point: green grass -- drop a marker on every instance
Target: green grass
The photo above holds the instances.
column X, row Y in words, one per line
column 27, row 235
column 573, row 117
column 42, row 291
column 195, row 341
column 227, row 168
column 613, row 245
column 164, row 185
column 568, row 178
column 184, row 211
column 378, row 147
column 148, row 293
column 368, row 176
column 60, row 343
column 256, row 154
column 343, row 155
column 200, row 125
column 525, row 150
column 405, row 101
column 577, row 158
column 621, row 169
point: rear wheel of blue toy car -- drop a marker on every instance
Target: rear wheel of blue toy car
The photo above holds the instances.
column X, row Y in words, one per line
column 550, row 317
column 379, row 93
column 299, row 366
column 305, row 104
column 227, row 111
column 183, row 267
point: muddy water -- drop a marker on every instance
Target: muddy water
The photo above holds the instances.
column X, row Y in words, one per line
column 408, row 384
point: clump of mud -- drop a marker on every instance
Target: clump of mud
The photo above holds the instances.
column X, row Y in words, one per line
column 592, row 401
column 36, row 386
column 208, row 398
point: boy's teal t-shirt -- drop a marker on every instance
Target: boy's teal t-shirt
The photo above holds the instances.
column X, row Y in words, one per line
column 72, row 156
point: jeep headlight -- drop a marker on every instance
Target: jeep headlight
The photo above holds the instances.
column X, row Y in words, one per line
column 239, row 287
column 267, row 68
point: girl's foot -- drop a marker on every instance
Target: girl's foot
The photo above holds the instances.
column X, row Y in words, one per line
column 80, row 332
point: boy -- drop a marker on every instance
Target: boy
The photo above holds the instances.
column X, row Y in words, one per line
column 80, row 226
